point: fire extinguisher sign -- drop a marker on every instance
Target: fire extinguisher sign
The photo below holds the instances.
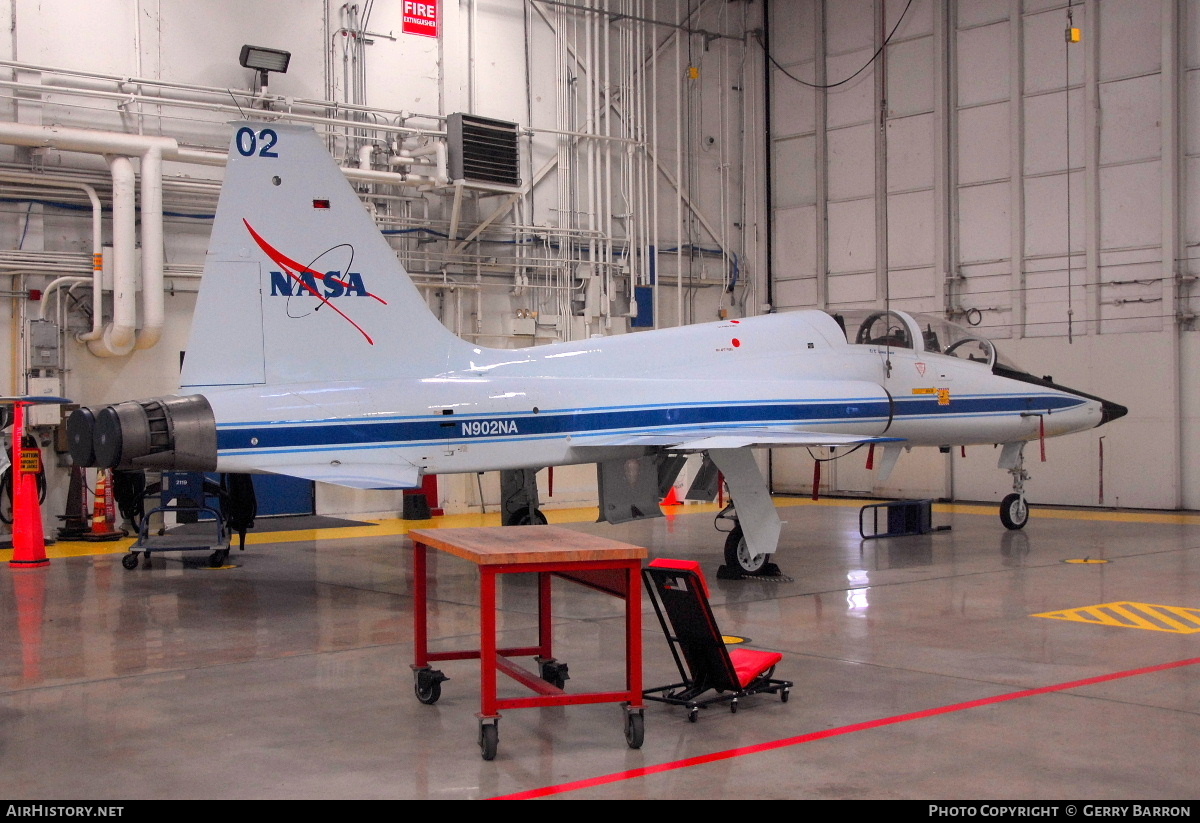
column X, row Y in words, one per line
column 421, row 18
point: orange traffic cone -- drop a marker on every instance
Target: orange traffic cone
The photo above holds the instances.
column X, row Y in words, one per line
column 672, row 499
column 29, row 541
column 103, row 511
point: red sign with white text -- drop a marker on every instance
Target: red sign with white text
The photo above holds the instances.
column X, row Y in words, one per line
column 421, row 18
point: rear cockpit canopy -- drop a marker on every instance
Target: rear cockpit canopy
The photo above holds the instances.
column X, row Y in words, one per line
column 925, row 333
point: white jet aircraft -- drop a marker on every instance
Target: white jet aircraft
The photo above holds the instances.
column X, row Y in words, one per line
column 312, row 354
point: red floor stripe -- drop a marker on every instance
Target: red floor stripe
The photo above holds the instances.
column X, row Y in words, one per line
column 821, row 735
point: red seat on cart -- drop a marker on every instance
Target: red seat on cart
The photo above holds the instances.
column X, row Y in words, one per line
column 679, row 594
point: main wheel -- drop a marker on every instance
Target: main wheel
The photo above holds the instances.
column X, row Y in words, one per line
column 218, row 558
column 738, row 556
column 527, row 517
column 1014, row 512
column 489, row 740
column 635, row 729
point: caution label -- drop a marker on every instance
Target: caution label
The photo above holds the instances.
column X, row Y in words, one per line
column 31, row 461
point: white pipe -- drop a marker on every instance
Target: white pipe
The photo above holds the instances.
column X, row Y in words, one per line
column 153, row 301
column 97, row 241
column 69, row 279
column 120, row 335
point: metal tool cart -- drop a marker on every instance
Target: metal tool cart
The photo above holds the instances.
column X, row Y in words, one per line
column 200, row 525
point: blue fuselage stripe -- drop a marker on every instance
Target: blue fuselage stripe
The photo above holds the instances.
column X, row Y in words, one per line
column 267, row 436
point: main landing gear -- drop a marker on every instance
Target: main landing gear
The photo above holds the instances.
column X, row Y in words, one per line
column 1014, row 511
column 740, row 561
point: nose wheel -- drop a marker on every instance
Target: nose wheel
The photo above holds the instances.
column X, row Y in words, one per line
column 1014, row 512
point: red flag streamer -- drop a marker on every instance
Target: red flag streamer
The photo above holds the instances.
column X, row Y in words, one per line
column 871, row 457
column 1042, row 435
column 964, row 451
column 816, row 479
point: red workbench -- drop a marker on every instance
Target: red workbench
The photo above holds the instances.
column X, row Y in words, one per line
column 605, row 565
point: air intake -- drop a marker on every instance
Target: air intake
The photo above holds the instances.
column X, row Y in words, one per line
column 483, row 151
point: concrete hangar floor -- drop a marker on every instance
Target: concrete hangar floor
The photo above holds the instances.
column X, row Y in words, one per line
column 970, row 663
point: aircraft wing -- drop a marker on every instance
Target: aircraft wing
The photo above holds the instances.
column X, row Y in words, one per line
column 361, row 476
column 703, row 438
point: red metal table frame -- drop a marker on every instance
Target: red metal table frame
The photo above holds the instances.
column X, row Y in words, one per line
column 599, row 563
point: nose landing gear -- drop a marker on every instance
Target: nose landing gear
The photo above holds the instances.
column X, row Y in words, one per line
column 1014, row 511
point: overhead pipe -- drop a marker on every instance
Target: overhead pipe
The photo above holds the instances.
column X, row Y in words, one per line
column 121, row 336
column 97, row 243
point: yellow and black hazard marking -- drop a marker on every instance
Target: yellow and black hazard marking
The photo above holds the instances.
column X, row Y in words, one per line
column 1129, row 615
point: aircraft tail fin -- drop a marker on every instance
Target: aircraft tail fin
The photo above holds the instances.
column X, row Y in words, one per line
column 299, row 285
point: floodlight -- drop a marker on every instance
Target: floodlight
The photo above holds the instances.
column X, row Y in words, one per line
column 264, row 60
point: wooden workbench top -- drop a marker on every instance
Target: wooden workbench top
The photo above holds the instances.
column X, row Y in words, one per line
column 494, row 545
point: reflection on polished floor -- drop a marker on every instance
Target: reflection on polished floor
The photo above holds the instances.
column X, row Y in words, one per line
column 973, row 663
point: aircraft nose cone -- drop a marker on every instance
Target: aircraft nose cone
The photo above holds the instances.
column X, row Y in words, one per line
column 1110, row 411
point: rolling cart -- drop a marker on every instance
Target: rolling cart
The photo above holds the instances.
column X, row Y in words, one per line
column 196, row 503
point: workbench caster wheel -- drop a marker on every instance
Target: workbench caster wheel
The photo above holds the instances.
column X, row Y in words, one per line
column 635, row 729
column 427, row 684
column 130, row 560
column 784, row 695
column 1014, row 512
column 489, row 740
column 218, row 558
column 553, row 672
column 733, row 706
column 693, row 714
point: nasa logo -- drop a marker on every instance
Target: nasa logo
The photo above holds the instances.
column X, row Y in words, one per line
column 332, row 284
column 294, row 279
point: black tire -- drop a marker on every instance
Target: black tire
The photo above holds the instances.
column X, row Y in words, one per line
column 6, row 496
column 130, row 560
column 527, row 517
column 1014, row 512
column 489, row 740
column 428, row 688
column 555, row 674
column 737, row 553
column 6, row 493
column 218, row 558
column 693, row 714
column 784, row 695
column 635, row 729
column 733, row 706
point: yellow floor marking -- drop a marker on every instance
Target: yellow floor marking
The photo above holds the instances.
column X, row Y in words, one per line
column 1129, row 615
column 392, row 527
column 1086, row 560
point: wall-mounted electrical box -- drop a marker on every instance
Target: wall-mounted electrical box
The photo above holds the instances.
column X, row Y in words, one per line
column 43, row 344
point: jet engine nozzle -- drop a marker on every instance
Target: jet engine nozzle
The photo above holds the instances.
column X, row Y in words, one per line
column 171, row 433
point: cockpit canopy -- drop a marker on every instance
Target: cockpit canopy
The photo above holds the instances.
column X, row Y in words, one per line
column 921, row 332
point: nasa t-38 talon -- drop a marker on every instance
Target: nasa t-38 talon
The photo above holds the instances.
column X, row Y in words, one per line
column 312, row 354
